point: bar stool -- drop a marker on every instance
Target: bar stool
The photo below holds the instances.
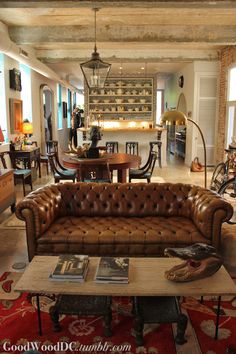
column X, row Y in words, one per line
column 156, row 146
column 112, row 147
column 131, row 147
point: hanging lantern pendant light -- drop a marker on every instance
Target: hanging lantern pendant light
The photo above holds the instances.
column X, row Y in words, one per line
column 95, row 70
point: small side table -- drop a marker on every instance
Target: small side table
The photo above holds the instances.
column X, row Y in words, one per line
column 84, row 306
column 158, row 309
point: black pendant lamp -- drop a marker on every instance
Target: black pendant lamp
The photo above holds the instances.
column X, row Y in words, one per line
column 95, row 70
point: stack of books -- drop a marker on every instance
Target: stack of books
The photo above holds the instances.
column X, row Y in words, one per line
column 112, row 270
column 71, row 268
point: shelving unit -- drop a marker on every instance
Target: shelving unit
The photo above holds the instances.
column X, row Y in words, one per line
column 123, row 99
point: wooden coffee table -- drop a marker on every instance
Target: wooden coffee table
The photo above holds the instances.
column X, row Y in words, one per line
column 146, row 278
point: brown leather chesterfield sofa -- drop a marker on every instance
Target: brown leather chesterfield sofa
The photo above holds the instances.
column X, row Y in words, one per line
column 132, row 219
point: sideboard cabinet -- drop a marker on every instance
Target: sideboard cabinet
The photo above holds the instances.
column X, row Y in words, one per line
column 123, row 99
column 7, row 190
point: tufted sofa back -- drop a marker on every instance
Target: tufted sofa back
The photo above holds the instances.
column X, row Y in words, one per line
column 140, row 199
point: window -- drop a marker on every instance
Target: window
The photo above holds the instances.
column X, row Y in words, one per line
column 68, row 108
column 231, row 108
column 3, row 123
column 59, row 107
column 160, row 105
column 26, row 95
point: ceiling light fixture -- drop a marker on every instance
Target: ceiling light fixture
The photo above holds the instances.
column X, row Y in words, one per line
column 95, row 70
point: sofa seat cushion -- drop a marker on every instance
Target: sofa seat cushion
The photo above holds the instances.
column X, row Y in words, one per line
column 70, row 231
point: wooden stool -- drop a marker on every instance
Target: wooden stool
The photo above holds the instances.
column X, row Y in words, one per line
column 82, row 305
column 112, row 147
column 131, row 147
column 157, row 144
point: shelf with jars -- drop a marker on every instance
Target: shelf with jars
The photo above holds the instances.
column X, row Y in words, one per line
column 123, row 98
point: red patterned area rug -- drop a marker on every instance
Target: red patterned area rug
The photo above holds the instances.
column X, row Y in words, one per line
column 18, row 326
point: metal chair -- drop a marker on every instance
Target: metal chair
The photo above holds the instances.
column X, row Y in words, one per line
column 95, row 172
column 146, row 171
column 112, row 147
column 59, row 171
column 22, row 174
column 131, row 147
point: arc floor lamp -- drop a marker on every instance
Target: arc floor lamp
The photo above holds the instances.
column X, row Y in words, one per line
column 175, row 117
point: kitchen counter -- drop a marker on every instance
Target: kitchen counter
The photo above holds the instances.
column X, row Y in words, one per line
column 123, row 134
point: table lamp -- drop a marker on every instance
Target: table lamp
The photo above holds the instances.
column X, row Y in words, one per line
column 27, row 129
column 175, row 117
column 1, row 136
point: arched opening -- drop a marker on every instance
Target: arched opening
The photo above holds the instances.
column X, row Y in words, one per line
column 47, row 100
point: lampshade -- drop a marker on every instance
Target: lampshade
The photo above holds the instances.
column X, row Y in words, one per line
column 27, row 128
column 95, row 70
column 173, row 118
column 1, row 136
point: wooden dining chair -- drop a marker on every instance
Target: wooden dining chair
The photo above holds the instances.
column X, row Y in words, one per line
column 59, row 171
column 146, row 171
column 95, row 172
column 20, row 174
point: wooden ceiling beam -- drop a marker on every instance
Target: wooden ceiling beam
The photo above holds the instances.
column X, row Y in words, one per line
column 122, row 3
column 218, row 35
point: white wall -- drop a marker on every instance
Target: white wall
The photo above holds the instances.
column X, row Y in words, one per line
column 37, row 81
column 191, row 73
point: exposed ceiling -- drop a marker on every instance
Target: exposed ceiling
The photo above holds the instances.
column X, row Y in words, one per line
column 161, row 36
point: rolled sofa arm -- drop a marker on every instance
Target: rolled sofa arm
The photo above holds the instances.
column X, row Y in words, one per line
column 39, row 209
column 209, row 211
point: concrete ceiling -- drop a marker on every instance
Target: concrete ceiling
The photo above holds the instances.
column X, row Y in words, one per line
column 161, row 36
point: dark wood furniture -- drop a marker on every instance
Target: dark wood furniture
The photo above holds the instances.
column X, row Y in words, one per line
column 7, row 190
column 131, row 147
column 59, row 172
column 120, row 162
column 156, row 146
column 27, row 157
column 82, row 305
column 146, row 171
column 112, row 147
column 95, row 172
column 24, row 175
column 158, row 309
column 51, row 146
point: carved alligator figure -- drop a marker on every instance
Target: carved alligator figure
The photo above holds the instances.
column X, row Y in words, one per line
column 201, row 261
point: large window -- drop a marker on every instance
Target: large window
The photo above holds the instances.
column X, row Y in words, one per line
column 231, row 108
column 59, row 107
column 3, row 120
column 26, row 95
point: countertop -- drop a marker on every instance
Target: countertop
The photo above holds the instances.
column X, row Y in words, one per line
column 125, row 129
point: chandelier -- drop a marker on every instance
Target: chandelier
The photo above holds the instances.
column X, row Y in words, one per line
column 95, row 70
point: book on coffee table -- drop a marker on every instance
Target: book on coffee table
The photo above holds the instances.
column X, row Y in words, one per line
column 112, row 270
column 71, row 267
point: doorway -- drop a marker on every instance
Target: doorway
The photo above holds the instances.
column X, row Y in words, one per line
column 47, row 114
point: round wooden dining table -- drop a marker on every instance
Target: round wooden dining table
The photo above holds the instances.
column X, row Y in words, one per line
column 119, row 162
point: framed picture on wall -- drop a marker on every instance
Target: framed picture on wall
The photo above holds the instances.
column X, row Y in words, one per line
column 16, row 115
column 64, row 107
column 15, row 79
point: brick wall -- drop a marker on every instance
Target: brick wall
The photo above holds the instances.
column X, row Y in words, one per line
column 227, row 58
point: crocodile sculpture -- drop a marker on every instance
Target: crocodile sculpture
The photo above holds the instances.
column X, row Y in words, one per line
column 201, row 261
